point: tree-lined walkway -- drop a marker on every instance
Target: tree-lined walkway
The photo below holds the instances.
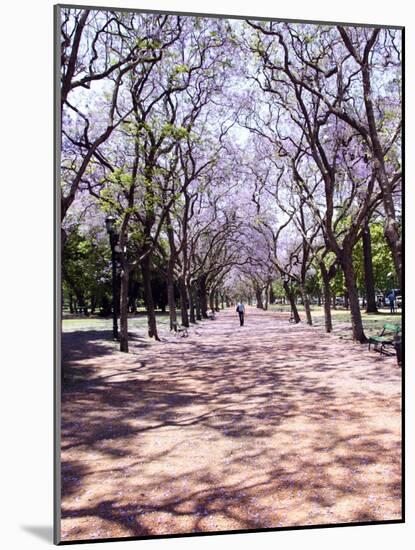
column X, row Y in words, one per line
column 265, row 425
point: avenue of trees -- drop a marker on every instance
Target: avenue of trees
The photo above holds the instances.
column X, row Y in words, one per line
column 239, row 159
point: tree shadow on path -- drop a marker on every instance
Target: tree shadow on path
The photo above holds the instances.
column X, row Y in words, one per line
column 274, row 426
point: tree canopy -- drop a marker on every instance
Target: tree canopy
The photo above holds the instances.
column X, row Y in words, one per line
column 240, row 159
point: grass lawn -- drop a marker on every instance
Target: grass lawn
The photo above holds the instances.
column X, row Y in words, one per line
column 138, row 321
column 372, row 322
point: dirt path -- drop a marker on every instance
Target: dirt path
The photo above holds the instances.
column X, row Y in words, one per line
column 266, row 425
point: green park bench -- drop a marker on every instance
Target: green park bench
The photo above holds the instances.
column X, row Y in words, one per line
column 180, row 330
column 388, row 337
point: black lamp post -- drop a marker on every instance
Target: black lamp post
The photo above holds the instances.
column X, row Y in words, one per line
column 110, row 225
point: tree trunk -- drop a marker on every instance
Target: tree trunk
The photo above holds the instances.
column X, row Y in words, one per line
column 192, row 304
column 271, row 295
column 306, row 303
column 346, row 300
column 327, row 298
column 391, row 228
column 197, row 302
column 133, row 296
column 148, row 297
column 124, row 308
column 216, row 301
column 183, row 302
column 350, row 280
column 203, row 298
column 212, row 300
column 291, row 300
column 170, row 299
column 71, row 308
column 368, row 266
column 258, row 295
column 394, row 241
column 82, row 304
column 266, row 299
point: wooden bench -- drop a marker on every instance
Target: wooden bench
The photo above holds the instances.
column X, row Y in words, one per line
column 180, row 330
column 387, row 338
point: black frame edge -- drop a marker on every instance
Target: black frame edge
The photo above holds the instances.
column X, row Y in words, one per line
column 56, row 282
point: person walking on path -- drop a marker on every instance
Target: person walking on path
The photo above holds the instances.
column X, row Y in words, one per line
column 240, row 308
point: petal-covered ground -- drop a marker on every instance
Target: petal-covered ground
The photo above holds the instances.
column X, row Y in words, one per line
column 266, row 425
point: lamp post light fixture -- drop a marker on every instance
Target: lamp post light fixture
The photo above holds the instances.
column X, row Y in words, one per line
column 391, row 279
column 110, row 225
